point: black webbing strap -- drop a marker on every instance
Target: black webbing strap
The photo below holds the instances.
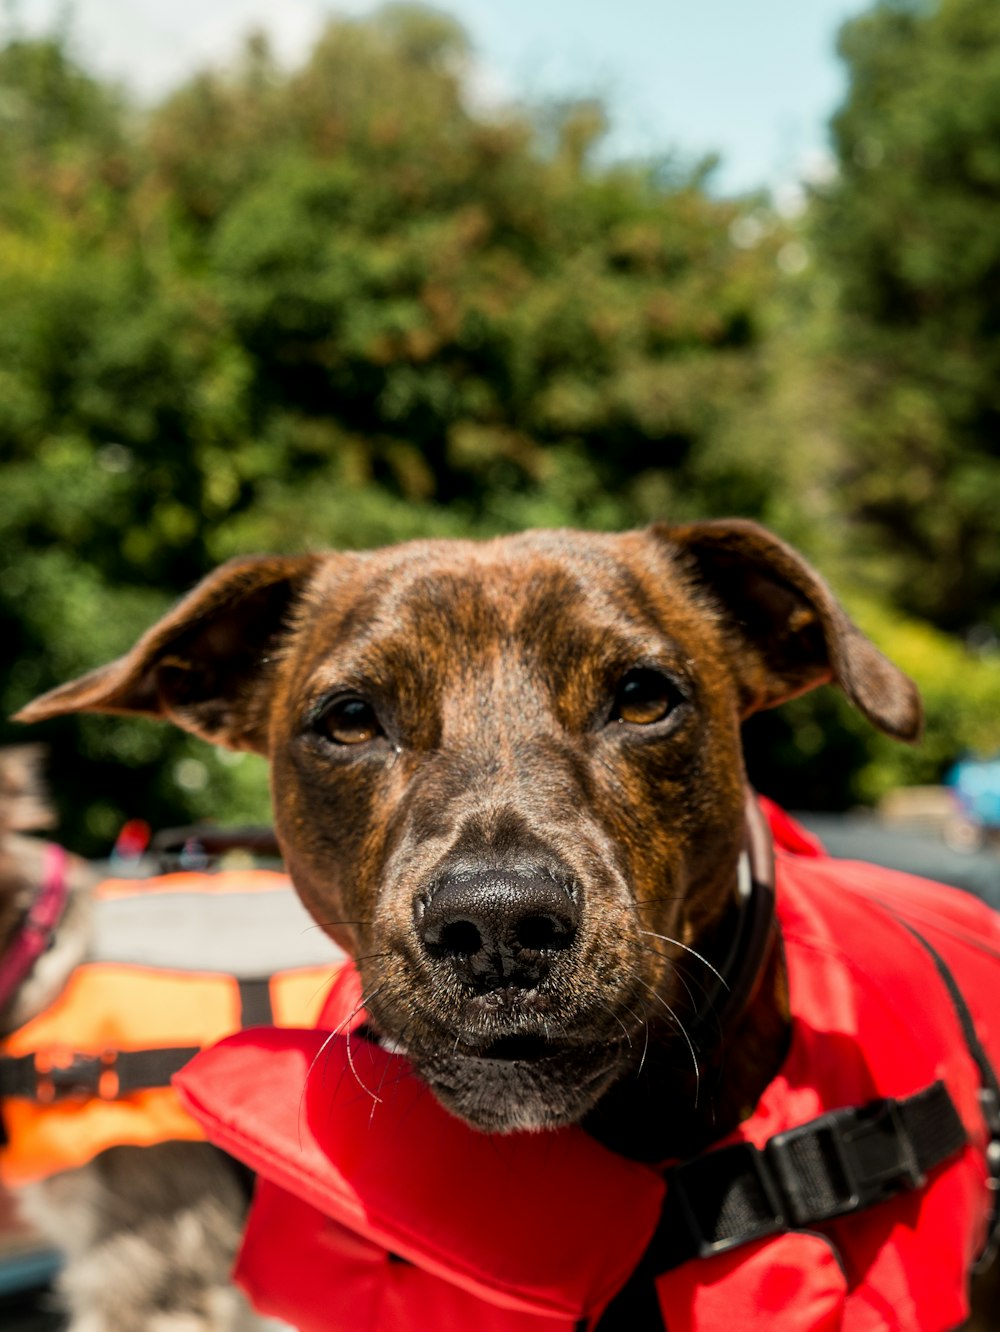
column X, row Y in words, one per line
column 106, row 1077
column 255, row 1002
column 842, row 1162
column 115, row 1073
column 989, row 1096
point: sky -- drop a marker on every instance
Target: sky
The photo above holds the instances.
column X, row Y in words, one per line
column 752, row 80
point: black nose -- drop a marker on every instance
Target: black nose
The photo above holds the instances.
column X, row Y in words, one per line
column 499, row 929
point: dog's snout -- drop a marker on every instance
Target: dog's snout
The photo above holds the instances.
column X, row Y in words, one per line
column 499, row 929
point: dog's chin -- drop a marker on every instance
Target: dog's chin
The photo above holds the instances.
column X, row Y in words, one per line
column 522, row 1087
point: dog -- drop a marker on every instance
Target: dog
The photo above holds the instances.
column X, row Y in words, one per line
column 508, row 780
column 149, row 1233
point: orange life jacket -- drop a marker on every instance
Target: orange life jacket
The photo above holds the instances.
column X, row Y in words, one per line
column 177, row 962
column 865, row 1166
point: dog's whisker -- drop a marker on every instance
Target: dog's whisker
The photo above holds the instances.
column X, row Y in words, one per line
column 305, row 1083
column 324, row 985
column 691, row 984
column 683, row 1031
column 645, row 1048
column 642, row 1022
column 687, row 988
column 608, row 1009
column 346, row 1023
column 376, row 1099
column 324, row 1048
column 400, row 1040
column 326, row 924
column 677, row 943
column 371, row 957
column 694, row 1058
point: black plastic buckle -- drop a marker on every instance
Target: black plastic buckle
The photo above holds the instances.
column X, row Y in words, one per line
column 868, row 1157
column 81, row 1076
column 696, row 1204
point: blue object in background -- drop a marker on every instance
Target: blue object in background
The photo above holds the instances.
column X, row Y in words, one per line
column 976, row 783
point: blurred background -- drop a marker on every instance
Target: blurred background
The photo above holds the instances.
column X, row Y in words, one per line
column 342, row 278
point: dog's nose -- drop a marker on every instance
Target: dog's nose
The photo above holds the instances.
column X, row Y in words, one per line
column 499, row 929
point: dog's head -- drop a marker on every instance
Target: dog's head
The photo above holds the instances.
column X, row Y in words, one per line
column 507, row 776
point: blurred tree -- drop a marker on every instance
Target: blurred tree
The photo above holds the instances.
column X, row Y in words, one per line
column 462, row 309
column 332, row 306
column 817, row 752
column 910, row 230
column 341, row 306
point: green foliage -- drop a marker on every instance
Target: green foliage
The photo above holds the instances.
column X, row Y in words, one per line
column 439, row 303
column 910, row 229
column 337, row 306
column 818, row 752
column 331, row 306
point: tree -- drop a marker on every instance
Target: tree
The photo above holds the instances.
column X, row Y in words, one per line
column 332, row 306
column 910, row 230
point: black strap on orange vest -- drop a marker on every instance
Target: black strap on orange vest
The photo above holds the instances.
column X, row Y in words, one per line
column 116, row 1073
column 105, row 1077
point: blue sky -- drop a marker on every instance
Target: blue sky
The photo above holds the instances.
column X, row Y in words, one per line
column 755, row 80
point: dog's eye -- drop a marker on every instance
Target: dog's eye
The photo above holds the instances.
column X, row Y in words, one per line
column 349, row 721
column 644, row 697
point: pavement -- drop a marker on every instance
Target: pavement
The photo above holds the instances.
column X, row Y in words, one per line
column 860, row 836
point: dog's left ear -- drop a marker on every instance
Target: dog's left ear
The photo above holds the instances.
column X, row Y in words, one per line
column 790, row 632
column 206, row 665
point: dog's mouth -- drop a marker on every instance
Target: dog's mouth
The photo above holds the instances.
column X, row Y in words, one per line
column 521, row 1082
column 521, row 1049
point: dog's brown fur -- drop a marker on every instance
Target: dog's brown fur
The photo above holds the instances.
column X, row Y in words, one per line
column 441, row 714
column 149, row 1234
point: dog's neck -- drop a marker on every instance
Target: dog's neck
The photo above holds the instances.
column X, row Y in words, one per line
column 693, row 1088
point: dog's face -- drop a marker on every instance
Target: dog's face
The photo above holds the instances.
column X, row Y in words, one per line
column 507, row 776
column 492, row 760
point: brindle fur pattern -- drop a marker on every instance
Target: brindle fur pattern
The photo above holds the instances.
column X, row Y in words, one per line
column 149, row 1234
column 493, row 669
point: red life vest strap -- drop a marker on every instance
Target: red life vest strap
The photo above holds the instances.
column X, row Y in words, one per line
column 323, row 1125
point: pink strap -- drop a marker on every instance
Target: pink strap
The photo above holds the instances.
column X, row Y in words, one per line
column 43, row 916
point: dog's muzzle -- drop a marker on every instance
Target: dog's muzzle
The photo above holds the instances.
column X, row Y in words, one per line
column 498, row 931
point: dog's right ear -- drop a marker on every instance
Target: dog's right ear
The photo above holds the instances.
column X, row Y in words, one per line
column 205, row 665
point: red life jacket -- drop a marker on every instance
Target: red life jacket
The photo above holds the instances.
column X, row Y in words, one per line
column 377, row 1211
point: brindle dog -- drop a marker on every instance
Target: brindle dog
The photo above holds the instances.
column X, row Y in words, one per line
column 508, row 779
